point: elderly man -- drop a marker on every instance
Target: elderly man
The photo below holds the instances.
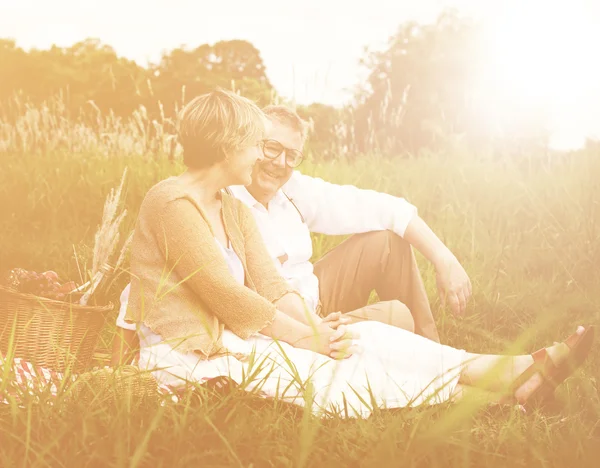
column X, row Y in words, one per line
column 288, row 206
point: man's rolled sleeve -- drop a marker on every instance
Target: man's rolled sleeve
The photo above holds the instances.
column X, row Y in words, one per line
column 345, row 209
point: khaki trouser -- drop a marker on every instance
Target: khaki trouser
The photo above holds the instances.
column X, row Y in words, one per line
column 380, row 261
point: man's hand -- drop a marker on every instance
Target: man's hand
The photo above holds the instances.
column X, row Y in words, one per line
column 453, row 284
column 335, row 319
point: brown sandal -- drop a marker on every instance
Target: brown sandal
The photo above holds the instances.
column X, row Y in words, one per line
column 553, row 374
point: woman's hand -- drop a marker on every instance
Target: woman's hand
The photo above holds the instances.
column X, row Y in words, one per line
column 453, row 284
column 334, row 343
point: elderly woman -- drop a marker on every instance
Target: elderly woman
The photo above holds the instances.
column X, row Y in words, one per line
column 208, row 301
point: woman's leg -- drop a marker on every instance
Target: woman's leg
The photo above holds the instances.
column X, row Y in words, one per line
column 496, row 373
column 493, row 372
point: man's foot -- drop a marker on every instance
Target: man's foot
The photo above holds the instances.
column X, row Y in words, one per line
column 551, row 366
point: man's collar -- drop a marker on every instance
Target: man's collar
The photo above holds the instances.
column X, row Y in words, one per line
column 279, row 198
column 241, row 193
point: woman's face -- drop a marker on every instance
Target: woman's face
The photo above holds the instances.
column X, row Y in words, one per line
column 241, row 163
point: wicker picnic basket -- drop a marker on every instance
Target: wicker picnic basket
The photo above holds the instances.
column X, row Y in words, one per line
column 108, row 385
column 53, row 334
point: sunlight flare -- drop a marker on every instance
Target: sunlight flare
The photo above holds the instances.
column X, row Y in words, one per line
column 537, row 65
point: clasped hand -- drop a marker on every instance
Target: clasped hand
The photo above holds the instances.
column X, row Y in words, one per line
column 331, row 337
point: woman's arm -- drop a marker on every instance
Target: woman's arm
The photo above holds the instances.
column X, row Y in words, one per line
column 320, row 337
column 294, row 306
column 268, row 281
column 193, row 257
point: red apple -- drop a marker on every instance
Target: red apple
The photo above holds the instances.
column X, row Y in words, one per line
column 51, row 275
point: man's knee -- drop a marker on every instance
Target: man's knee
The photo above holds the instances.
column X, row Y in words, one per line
column 387, row 241
column 400, row 315
column 380, row 237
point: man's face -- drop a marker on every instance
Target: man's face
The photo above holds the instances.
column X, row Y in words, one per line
column 269, row 175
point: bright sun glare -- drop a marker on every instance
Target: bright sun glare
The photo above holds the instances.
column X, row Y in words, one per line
column 538, row 57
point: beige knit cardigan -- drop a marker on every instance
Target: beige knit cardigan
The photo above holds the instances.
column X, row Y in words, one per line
column 181, row 287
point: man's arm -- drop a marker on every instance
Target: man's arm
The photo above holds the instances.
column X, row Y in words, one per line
column 345, row 209
column 454, row 286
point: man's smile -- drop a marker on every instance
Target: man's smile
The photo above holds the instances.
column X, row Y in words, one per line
column 271, row 173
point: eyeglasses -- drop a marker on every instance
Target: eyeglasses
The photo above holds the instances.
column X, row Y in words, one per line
column 272, row 149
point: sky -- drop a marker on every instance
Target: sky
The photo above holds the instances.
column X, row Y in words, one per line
column 540, row 50
column 311, row 48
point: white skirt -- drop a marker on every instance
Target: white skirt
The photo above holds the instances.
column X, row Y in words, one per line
column 395, row 368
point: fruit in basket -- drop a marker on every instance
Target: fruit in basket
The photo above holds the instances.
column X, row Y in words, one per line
column 44, row 284
column 50, row 275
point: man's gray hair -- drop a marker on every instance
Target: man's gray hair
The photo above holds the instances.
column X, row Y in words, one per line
column 287, row 117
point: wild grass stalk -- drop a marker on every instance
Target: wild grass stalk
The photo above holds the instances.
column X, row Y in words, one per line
column 525, row 230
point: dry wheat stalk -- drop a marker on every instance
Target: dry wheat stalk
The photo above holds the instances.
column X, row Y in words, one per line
column 106, row 240
column 49, row 127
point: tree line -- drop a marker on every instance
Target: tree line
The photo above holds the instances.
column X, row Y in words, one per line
column 417, row 94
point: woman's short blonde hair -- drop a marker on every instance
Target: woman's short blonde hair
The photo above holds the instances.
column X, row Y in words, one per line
column 215, row 124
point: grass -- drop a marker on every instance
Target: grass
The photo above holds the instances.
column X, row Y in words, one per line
column 528, row 234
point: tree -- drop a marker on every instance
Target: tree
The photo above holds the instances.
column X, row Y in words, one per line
column 326, row 136
column 86, row 71
column 417, row 89
column 182, row 74
column 92, row 71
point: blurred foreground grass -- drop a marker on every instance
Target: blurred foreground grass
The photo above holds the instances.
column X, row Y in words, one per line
column 527, row 234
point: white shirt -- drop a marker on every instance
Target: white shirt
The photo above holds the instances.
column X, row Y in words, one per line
column 324, row 208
